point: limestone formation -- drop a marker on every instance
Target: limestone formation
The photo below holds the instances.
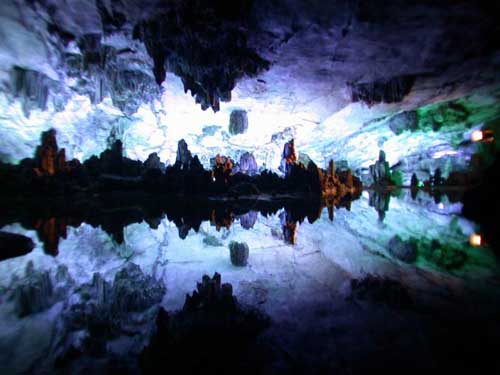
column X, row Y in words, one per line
column 288, row 157
column 238, row 253
column 249, row 219
column 238, row 122
column 247, row 165
column 33, row 293
column 380, row 171
column 153, row 162
column 184, row 157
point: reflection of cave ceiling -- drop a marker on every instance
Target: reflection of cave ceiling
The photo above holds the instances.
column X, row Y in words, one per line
column 329, row 74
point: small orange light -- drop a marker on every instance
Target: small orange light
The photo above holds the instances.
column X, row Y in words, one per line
column 476, row 136
column 475, row 240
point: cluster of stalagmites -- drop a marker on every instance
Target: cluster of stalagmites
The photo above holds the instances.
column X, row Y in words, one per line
column 50, row 174
column 120, row 325
column 212, row 324
column 334, row 185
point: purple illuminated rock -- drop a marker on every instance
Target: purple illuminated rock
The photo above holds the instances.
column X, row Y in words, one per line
column 247, row 165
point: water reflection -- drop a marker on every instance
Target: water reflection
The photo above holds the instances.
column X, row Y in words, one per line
column 112, row 214
column 418, row 259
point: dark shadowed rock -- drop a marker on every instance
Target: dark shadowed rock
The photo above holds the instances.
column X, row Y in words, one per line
column 153, row 162
column 238, row 122
column 379, row 290
column 33, row 293
column 239, row 253
column 135, row 291
column 405, row 251
column 184, row 157
column 14, row 245
column 212, row 333
column 403, row 121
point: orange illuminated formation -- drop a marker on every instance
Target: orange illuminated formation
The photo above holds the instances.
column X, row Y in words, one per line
column 50, row 231
column 223, row 168
column 50, row 160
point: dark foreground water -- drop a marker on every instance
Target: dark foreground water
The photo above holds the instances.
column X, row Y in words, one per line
column 389, row 284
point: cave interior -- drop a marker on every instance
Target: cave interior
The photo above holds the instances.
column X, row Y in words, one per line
column 254, row 186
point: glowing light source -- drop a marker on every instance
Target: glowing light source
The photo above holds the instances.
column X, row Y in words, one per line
column 476, row 136
column 475, row 240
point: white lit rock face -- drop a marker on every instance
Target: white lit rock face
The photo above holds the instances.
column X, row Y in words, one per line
column 335, row 74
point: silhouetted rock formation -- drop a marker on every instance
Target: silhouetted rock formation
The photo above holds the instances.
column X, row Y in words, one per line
column 238, row 122
column 184, row 158
column 14, row 245
column 211, row 324
column 153, row 162
column 149, row 191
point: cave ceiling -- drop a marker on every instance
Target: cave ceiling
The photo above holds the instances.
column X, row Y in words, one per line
column 333, row 75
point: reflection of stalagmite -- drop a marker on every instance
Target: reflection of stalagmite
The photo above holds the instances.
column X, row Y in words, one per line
column 49, row 231
column 289, row 226
column 290, row 233
column 221, row 221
